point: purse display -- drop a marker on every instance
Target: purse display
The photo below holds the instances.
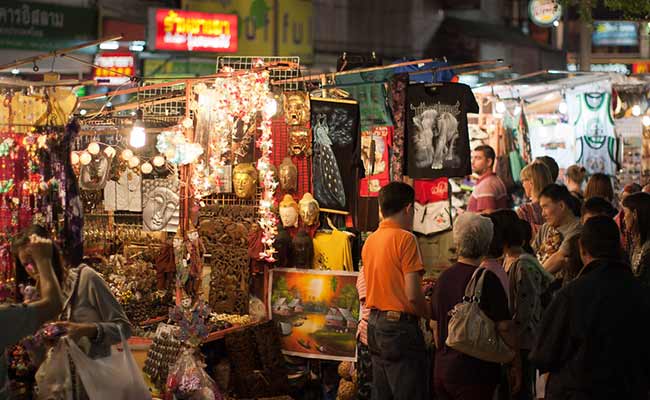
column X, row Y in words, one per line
column 471, row 331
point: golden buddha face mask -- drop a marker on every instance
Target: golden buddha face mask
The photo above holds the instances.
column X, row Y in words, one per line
column 309, row 210
column 296, row 108
column 288, row 176
column 244, row 180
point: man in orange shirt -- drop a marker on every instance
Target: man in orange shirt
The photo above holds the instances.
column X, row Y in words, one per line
column 393, row 269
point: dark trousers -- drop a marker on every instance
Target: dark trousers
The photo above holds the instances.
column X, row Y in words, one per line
column 451, row 391
column 399, row 366
column 528, row 377
column 364, row 372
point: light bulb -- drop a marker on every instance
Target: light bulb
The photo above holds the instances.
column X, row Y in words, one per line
column 646, row 120
column 83, row 112
column 500, row 107
column 146, row 168
column 127, row 154
column 74, row 158
column 134, row 162
column 271, row 107
column 636, row 110
column 159, row 161
column 563, row 107
column 188, row 123
column 85, row 158
column 93, row 148
column 138, row 136
column 556, row 23
column 110, row 152
column 517, row 110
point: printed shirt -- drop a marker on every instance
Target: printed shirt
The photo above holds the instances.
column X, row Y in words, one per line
column 362, row 329
column 550, row 240
column 489, row 194
column 388, row 255
column 332, row 251
column 437, row 138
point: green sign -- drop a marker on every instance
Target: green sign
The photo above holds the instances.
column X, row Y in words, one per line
column 37, row 26
column 178, row 69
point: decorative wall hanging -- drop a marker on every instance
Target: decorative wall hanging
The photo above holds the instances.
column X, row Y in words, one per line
column 93, row 176
column 296, row 108
column 289, row 211
column 176, row 148
column 309, row 210
column 160, row 205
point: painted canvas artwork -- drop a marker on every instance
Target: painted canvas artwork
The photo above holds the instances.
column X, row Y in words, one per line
column 317, row 312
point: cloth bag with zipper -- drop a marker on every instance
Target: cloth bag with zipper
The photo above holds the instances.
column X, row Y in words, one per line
column 471, row 331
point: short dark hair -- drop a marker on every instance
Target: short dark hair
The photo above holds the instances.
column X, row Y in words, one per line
column 552, row 166
column 527, row 236
column 600, row 238
column 488, row 151
column 395, row 197
column 559, row 193
column 496, row 245
column 598, row 206
column 640, row 203
column 507, row 227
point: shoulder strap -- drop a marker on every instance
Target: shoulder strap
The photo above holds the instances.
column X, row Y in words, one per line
column 73, row 296
column 478, row 290
column 470, row 289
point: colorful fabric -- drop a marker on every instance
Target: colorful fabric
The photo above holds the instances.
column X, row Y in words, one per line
column 397, row 100
column 432, row 218
column 375, row 155
column 362, row 329
column 431, row 191
column 531, row 213
column 332, row 251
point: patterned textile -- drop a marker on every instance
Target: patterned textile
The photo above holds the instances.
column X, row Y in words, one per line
column 397, row 101
column 531, row 213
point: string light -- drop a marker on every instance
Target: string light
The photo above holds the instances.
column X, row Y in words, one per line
column 159, row 161
column 146, row 168
column 74, row 158
column 636, row 110
column 646, row 120
column 127, row 154
column 500, row 107
column 85, row 158
column 138, row 135
column 563, row 107
column 188, row 123
column 110, row 152
column 134, row 162
column 93, row 148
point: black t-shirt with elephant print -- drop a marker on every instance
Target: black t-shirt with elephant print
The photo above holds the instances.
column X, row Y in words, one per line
column 437, row 138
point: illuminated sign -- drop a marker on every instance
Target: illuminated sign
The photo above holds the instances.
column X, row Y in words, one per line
column 544, row 12
column 615, row 33
column 641, row 68
column 178, row 30
column 116, row 68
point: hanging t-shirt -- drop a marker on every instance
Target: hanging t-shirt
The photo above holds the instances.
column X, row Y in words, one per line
column 373, row 104
column 427, row 75
column 549, row 136
column 438, row 142
column 375, row 155
column 432, row 218
column 598, row 154
column 332, row 251
column 431, row 190
column 336, row 161
column 595, row 118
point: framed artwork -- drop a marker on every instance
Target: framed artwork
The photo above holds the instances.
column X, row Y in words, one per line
column 160, row 204
column 316, row 312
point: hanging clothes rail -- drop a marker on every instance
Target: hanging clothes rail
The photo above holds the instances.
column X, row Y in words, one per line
column 59, row 52
column 319, row 77
column 478, row 71
column 457, row 66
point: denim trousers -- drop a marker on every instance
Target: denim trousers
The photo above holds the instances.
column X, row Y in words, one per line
column 399, row 359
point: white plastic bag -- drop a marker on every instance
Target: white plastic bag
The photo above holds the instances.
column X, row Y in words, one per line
column 116, row 377
column 53, row 376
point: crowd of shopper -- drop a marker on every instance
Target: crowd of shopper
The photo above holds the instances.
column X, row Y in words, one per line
column 565, row 285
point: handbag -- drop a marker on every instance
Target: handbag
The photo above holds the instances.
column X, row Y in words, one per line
column 472, row 332
column 116, row 377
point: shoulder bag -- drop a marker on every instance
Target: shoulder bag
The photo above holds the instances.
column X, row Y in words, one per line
column 472, row 332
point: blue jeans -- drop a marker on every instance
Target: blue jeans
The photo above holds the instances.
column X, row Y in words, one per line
column 399, row 364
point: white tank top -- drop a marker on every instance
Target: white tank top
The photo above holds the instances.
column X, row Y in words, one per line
column 595, row 118
column 598, row 154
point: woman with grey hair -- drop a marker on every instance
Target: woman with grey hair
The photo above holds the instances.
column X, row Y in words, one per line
column 456, row 375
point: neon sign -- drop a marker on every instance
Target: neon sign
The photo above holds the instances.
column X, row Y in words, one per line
column 179, row 30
